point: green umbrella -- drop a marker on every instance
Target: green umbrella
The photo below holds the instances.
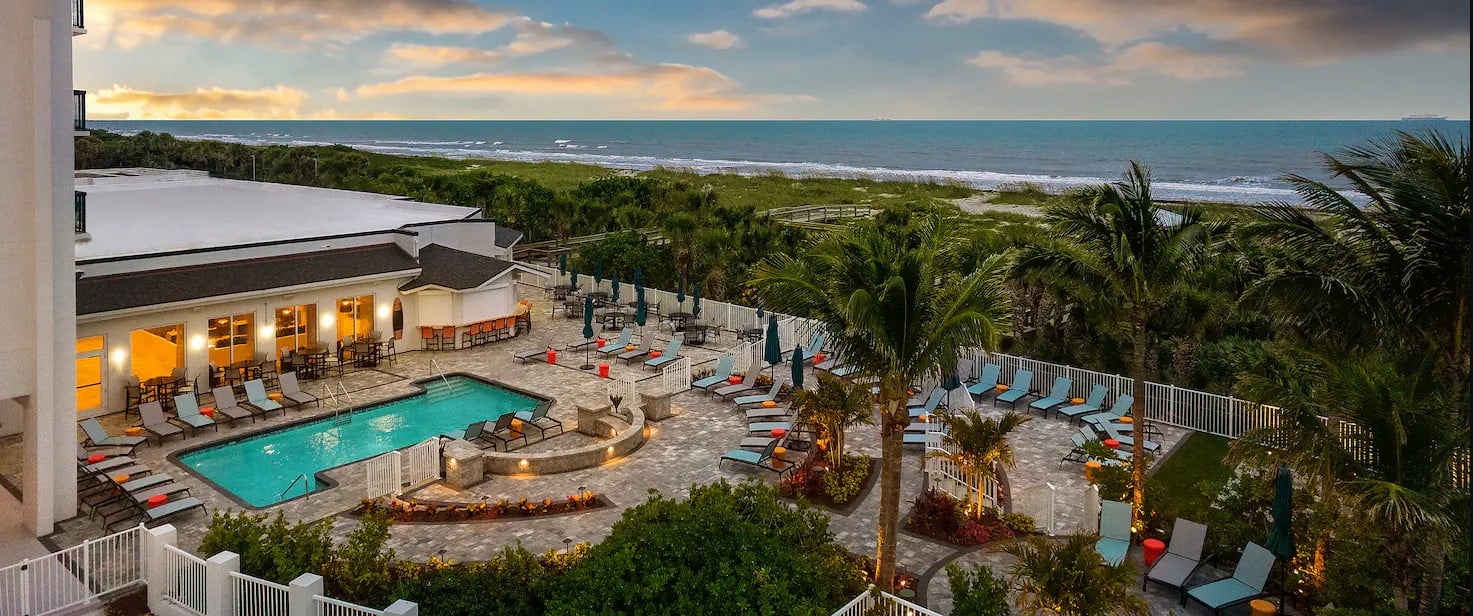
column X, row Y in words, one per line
column 772, row 352
column 640, row 312
column 562, row 264
column 798, row 367
column 695, row 304
column 760, row 314
column 573, row 279
column 598, row 273
column 638, row 276
column 951, row 382
column 587, row 330
column 615, row 297
column 1281, row 536
column 680, row 290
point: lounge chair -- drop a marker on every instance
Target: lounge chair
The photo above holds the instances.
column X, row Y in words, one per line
column 931, row 403
column 769, row 413
column 98, row 437
column 583, row 344
column 758, row 399
column 829, row 363
column 756, row 459
column 1059, row 394
column 196, row 420
column 1246, row 583
column 225, row 403
column 617, row 346
column 152, row 515
column 256, row 397
column 1117, row 410
column 1112, row 430
column 1183, row 556
column 815, row 346
column 647, row 342
column 523, row 356
column 187, row 404
column 1114, row 541
column 537, row 418
column 914, row 400
column 155, row 423
column 1020, row 387
column 920, row 426
column 769, row 426
column 127, row 506
column 472, row 432
column 1078, row 455
column 722, row 373
column 844, row 371
column 103, row 466
column 1092, row 404
column 504, row 433
column 987, row 383
column 291, row 390
column 916, row 438
column 749, row 383
column 672, row 353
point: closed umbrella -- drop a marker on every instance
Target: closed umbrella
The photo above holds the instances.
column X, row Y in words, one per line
column 615, row 297
column 957, row 394
column 772, row 353
column 638, row 276
column 562, row 264
column 1281, row 536
column 798, row 367
column 587, row 331
column 680, row 291
column 573, row 279
column 640, row 312
column 598, row 273
column 695, row 304
column 760, row 315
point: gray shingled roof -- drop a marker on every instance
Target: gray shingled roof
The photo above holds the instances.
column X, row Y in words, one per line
column 154, row 287
column 506, row 236
column 454, row 269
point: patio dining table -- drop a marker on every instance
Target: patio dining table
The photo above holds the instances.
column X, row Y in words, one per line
column 613, row 318
column 161, row 388
column 749, row 334
column 677, row 320
column 315, row 361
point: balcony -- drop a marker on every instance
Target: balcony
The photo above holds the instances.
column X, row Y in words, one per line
column 79, row 117
column 79, row 212
column 79, row 25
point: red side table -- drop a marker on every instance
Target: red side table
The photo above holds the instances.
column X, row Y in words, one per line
column 1112, row 443
column 1154, row 548
column 778, row 432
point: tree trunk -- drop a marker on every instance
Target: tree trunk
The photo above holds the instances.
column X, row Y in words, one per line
column 1138, row 413
column 892, row 434
column 1431, row 593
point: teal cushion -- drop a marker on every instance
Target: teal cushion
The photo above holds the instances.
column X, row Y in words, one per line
column 1222, row 592
column 1112, row 550
column 741, row 455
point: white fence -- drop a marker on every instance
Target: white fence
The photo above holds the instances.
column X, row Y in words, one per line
column 328, row 606
column 1037, row 502
column 385, row 475
column 625, row 388
column 675, row 378
column 944, row 475
column 258, row 597
column 423, row 463
column 875, row 603
column 73, row 576
column 184, row 582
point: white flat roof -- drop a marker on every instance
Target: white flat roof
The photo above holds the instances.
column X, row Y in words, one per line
column 147, row 217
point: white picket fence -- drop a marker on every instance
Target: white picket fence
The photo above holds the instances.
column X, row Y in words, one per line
column 385, row 475
column 1037, row 502
column 947, row 476
column 328, row 606
column 392, row 473
column 423, row 463
column 71, row 577
column 257, row 597
column 676, row 377
column 184, row 582
column 875, row 603
column 625, row 388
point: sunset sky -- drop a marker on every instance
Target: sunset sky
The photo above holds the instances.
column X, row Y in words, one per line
column 593, row 59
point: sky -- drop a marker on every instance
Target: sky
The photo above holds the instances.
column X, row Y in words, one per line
column 796, row 59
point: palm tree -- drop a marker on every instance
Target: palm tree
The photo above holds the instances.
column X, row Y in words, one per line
column 897, row 308
column 1068, row 577
column 1386, row 445
column 1394, row 270
column 979, row 444
column 1119, row 253
column 833, row 406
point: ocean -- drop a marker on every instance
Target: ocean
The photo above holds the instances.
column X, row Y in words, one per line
column 1228, row 161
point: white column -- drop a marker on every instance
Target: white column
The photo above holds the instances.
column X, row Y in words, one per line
column 154, row 540
column 300, row 592
column 402, row 608
column 219, row 588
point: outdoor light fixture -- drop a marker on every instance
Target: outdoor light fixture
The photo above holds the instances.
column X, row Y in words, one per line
column 326, row 320
column 523, row 463
column 120, row 355
column 197, row 342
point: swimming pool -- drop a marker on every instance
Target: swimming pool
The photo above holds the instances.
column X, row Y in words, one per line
column 256, row 469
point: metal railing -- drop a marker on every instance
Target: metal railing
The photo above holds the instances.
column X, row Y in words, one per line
column 77, row 17
column 876, row 603
column 186, row 584
column 79, row 111
column 328, row 606
column 79, row 211
column 258, row 597
column 306, row 486
column 73, row 576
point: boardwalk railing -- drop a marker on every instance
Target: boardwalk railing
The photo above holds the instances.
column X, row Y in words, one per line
column 328, row 606
column 73, row 576
column 877, row 603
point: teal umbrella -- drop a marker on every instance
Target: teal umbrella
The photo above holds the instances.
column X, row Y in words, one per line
column 641, row 314
column 562, row 264
column 615, row 297
column 638, row 276
column 695, row 304
column 772, row 353
column 598, row 273
column 798, row 367
column 680, row 290
column 1281, row 536
column 951, row 382
column 587, row 331
column 573, row 279
column 760, row 315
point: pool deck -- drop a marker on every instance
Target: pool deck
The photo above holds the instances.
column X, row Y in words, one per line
column 681, row 451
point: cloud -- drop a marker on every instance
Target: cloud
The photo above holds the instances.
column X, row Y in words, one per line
column 534, row 37
column 436, row 55
column 1114, row 70
column 1303, row 30
column 716, row 39
column 294, row 23
column 799, row 7
column 214, row 103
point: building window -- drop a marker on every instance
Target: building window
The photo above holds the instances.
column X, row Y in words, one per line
column 157, row 351
column 398, row 319
column 296, row 328
column 89, row 372
column 232, row 339
column 355, row 317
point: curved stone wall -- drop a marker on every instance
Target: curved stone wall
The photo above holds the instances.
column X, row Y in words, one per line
column 587, row 456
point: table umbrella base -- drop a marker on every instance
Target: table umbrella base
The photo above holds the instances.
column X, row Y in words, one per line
column 586, row 367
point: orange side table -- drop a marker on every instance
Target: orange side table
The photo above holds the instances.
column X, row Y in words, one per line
column 132, row 431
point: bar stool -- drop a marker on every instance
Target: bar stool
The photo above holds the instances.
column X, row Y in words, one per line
column 471, row 336
column 447, row 337
column 429, row 338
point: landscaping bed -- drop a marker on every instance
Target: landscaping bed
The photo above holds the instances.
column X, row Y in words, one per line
column 840, row 491
column 938, row 516
column 413, row 511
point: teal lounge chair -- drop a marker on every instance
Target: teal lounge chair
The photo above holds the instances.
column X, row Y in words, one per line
column 763, row 413
column 195, row 419
column 1056, row 396
column 1020, row 387
column 815, row 346
column 915, row 438
column 769, row 426
column 257, row 398
column 1246, row 584
column 617, row 346
column 1112, row 430
column 672, row 353
column 723, row 372
column 1092, row 404
column 1117, row 410
column 829, row 363
column 987, row 383
column 646, row 343
column 931, row 403
column 757, row 459
column 1077, row 454
column 1114, row 539
column 98, row 437
column 748, row 384
column 758, row 399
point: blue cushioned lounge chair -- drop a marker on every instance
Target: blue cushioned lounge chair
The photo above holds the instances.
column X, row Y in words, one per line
column 1056, row 396
column 723, row 372
column 1246, row 583
column 1114, row 539
column 987, row 383
column 1092, row 404
column 1020, row 387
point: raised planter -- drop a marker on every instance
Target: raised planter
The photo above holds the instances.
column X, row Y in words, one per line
column 624, row 441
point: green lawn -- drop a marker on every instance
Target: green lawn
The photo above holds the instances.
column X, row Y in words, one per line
column 1197, row 459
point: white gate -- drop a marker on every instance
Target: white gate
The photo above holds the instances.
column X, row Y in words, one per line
column 385, row 477
column 625, row 389
column 1037, row 502
column 184, row 579
column 946, row 476
column 423, row 463
column 72, row 576
column 675, row 378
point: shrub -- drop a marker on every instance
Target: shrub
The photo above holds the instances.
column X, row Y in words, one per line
column 936, row 511
column 1020, row 523
column 975, row 591
column 846, row 483
column 360, row 570
column 273, row 551
column 1068, row 577
column 524, row 580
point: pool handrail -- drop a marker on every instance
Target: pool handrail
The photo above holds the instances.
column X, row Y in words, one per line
column 300, row 477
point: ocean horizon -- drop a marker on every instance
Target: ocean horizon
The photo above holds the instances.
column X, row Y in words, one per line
column 1235, row 161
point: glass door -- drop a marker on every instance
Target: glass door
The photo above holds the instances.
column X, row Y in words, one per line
column 90, row 352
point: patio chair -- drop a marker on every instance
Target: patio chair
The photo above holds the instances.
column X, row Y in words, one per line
column 196, row 420
column 256, row 397
column 188, row 404
column 815, row 346
column 1059, row 394
column 749, row 382
column 828, row 363
column 929, row 407
column 646, row 345
column 127, row 505
column 1117, row 410
column 625, row 335
column 1112, row 430
column 154, row 515
column 504, row 433
column 292, row 390
column 1017, row 390
column 916, row 400
column 98, row 437
column 539, row 353
column 757, row 459
column 537, row 418
column 987, row 382
column 472, row 432
column 1114, row 541
column 1092, row 404
column 758, row 399
column 671, row 353
column 769, row 413
column 1246, row 583
column 723, row 372
column 769, row 426
column 1183, row 556
column 225, row 399
column 1078, row 454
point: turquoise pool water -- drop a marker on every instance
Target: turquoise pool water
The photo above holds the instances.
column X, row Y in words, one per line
column 257, row 469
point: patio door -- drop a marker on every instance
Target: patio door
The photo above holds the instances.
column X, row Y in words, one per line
column 90, row 394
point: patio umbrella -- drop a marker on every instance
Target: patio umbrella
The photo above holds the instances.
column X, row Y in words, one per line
column 640, row 312
column 680, row 290
column 772, row 352
column 957, row 395
column 573, row 279
column 760, row 314
column 587, row 330
column 615, row 297
column 798, row 367
column 562, row 264
column 1281, row 536
column 695, row 304
column 638, row 276
column 598, row 273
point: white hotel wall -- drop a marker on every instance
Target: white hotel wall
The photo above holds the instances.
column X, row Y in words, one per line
column 117, row 365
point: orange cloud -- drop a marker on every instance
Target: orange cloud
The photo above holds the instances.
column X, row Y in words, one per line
column 436, row 55
column 215, row 103
column 1116, row 70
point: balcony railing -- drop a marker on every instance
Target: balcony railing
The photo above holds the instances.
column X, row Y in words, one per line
column 79, row 211
column 79, row 121
column 77, row 21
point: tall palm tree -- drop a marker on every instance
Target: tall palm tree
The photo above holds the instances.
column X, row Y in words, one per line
column 833, row 406
column 979, row 444
column 1113, row 248
column 897, row 308
column 1393, row 270
column 1387, row 449
column 1068, row 577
